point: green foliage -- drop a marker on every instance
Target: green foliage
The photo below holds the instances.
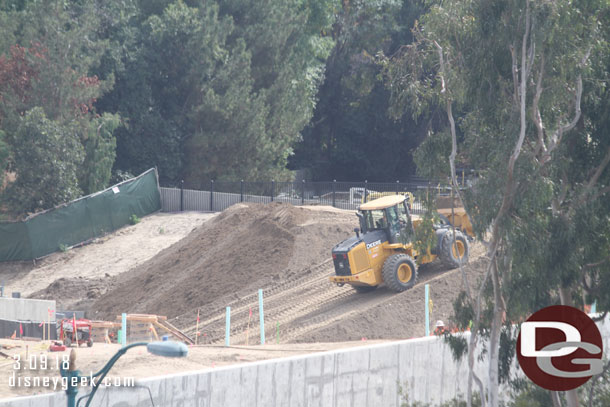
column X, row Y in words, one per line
column 351, row 136
column 526, row 394
column 51, row 80
column 432, row 155
column 63, row 248
column 4, row 154
column 425, row 236
column 455, row 402
column 219, row 89
column 100, row 146
column 133, row 219
column 457, row 344
column 549, row 215
column 46, row 157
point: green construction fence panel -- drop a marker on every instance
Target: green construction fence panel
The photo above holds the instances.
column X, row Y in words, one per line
column 14, row 242
column 80, row 220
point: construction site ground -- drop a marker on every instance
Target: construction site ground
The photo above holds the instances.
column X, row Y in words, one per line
column 179, row 265
column 137, row 362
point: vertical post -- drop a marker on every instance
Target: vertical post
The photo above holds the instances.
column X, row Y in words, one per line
column 211, row 195
column 49, row 323
column 181, row 195
column 124, row 329
column 334, row 191
column 197, row 328
column 272, row 189
column 261, row 315
column 594, row 307
column 397, row 187
column 2, row 289
column 427, row 310
column 228, row 328
column 278, row 332
column 366, row 191
column 303, row 192
column 241, row 191
column 462, row 177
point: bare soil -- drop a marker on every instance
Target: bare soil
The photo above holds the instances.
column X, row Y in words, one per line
column 247, row 247
column 308, row 308
column 176, row 265
column 136, row 363
column 284, row 250
column 84, row 272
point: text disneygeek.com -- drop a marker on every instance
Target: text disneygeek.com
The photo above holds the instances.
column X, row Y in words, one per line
column 27, row 374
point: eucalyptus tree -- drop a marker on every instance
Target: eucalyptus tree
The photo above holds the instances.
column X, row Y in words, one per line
column 515, row 72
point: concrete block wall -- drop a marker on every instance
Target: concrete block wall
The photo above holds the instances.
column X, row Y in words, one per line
column 25, row 309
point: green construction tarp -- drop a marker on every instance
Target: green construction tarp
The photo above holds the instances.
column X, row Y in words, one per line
column 80, row 220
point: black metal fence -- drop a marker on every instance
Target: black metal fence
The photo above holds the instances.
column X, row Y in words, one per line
column 219, row 195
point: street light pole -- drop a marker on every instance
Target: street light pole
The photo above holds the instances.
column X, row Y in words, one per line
column 165, row 348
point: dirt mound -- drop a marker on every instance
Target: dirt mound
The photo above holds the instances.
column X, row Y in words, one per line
column 388, row 315
column 248, row 246
column 113, row 254
column 74, row 293
column 309, row 308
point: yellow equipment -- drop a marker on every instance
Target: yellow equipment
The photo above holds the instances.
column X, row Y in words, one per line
column 385, row 251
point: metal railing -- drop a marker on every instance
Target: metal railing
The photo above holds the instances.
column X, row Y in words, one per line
column 219, row 195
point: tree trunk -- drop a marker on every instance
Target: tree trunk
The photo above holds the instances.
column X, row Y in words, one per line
column 566, row 299
column 555, row 399
column 494, row 337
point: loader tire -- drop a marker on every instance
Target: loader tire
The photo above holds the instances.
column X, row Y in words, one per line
column 399, row 272
column 452, row 255
column 361, row 289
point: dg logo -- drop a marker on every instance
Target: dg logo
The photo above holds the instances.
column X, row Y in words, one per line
column 559, row 348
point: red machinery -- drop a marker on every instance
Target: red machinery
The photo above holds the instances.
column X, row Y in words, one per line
column 83, row 332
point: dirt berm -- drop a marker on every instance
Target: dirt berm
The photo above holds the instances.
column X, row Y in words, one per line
column 248, row 246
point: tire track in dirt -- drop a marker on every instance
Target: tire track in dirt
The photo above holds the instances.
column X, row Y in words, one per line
column 300, row 306
column 215, row 311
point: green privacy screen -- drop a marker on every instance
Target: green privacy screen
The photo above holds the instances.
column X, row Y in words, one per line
column 80, row 220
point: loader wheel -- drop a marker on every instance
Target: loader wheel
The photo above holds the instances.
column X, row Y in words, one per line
column 399, row 272
column 452, row 255
column 361, row 289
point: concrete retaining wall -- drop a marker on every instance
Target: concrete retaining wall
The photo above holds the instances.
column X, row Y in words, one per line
column 363, row 376
column 367, row 376
column 25, row 309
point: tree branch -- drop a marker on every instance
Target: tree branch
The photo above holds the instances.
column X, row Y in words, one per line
column 557, row 136
column 540, row 145
column 452, row 156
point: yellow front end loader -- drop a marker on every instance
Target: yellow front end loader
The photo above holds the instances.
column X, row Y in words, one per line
column 383, row 249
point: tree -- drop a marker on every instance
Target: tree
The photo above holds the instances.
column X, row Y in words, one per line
column 514, row 70
column 219, row 89
column 351, row 136
column 100, row 146
column 57, row 154
column 53, row 74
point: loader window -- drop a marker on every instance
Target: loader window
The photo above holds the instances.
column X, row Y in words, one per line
column 375, row 219
column 402, row 215
column 406, row 227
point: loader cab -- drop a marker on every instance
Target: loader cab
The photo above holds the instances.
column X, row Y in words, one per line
column 390, row 214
